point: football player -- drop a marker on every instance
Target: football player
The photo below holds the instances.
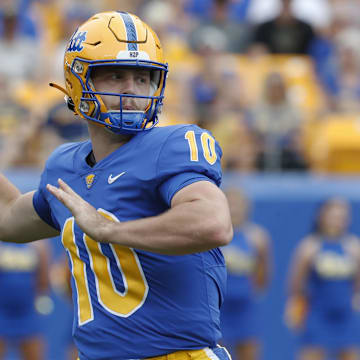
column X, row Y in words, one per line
column 138, row 207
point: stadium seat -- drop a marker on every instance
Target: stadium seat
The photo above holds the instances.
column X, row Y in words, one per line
column 333, row 145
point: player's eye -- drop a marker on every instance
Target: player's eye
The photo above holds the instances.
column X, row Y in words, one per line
column 143, row 78
column 116, row 76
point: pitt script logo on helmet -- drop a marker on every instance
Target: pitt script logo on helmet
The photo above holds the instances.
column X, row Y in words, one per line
column 113, row 39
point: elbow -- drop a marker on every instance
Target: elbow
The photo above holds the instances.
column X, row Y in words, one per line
column 220, row 233
column 225, row 235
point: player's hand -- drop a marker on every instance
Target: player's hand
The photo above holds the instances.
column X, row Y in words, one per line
column 86, row 216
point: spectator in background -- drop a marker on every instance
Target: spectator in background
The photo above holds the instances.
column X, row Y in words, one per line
column 65, row 126
column 230, row 125
column 285, row 34
column 236, row 35
column 221, row 105
column 73, row 16
column 207, row 83
column 325, row 287
column 16, row 128
column 216, row 87
column 240, row 145
column 277, row 123
column 11, row 115
column 23, row 279
column 169, row 19
column 205, row 89
column 316, row 12
column 62, row 126
column 202, row 9
column 26, row 26
column 19, row 54
column 248, row 263
column 338, row 71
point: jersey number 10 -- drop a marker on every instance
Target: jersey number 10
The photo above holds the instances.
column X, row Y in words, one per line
column 121, row 304
column 207, row 144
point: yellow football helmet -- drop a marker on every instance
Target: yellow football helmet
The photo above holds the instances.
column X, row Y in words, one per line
column 114, row 39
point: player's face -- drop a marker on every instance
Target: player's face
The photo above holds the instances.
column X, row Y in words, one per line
column 114, row 79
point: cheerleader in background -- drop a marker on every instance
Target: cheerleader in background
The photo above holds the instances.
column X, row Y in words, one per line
column 324, row 287
column 23, row 284
column 248, row 264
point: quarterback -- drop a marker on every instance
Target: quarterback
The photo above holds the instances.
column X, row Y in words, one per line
column 138, row 207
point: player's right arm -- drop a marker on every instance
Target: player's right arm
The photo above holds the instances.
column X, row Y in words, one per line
column 19, row 222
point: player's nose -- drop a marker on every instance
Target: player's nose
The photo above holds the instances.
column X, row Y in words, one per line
column 128, row 84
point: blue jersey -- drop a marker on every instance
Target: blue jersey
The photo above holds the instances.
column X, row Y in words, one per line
column 131, row 303
column 331, row 322
column 240, row 256
column 331, row 281
column 18, row 283
column 240, row 313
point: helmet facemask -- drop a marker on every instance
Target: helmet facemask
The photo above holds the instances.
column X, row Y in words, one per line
column 126, row 115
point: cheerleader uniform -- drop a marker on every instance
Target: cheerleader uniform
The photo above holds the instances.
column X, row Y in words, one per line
column 331, row 321
column 239, row 313
column 18, row 276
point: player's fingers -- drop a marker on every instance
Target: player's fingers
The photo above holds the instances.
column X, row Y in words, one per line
column 65, row 187
column 56, row 192
column 63, row 197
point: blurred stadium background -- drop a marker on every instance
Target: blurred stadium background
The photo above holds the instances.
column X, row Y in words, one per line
column 283, row 101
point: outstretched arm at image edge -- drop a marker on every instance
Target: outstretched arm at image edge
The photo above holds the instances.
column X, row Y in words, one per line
column 19, row 222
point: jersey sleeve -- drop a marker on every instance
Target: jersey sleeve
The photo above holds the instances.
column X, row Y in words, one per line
column 188, row 155
column 41, row 204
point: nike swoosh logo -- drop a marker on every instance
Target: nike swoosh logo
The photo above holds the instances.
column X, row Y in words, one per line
column 111, row 179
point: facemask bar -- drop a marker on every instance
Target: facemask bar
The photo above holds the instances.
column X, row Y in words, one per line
column 120, row 121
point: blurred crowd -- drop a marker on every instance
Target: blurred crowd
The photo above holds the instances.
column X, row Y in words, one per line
column 276, row 81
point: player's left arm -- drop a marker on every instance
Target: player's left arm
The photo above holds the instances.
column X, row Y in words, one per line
column 198, row 220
